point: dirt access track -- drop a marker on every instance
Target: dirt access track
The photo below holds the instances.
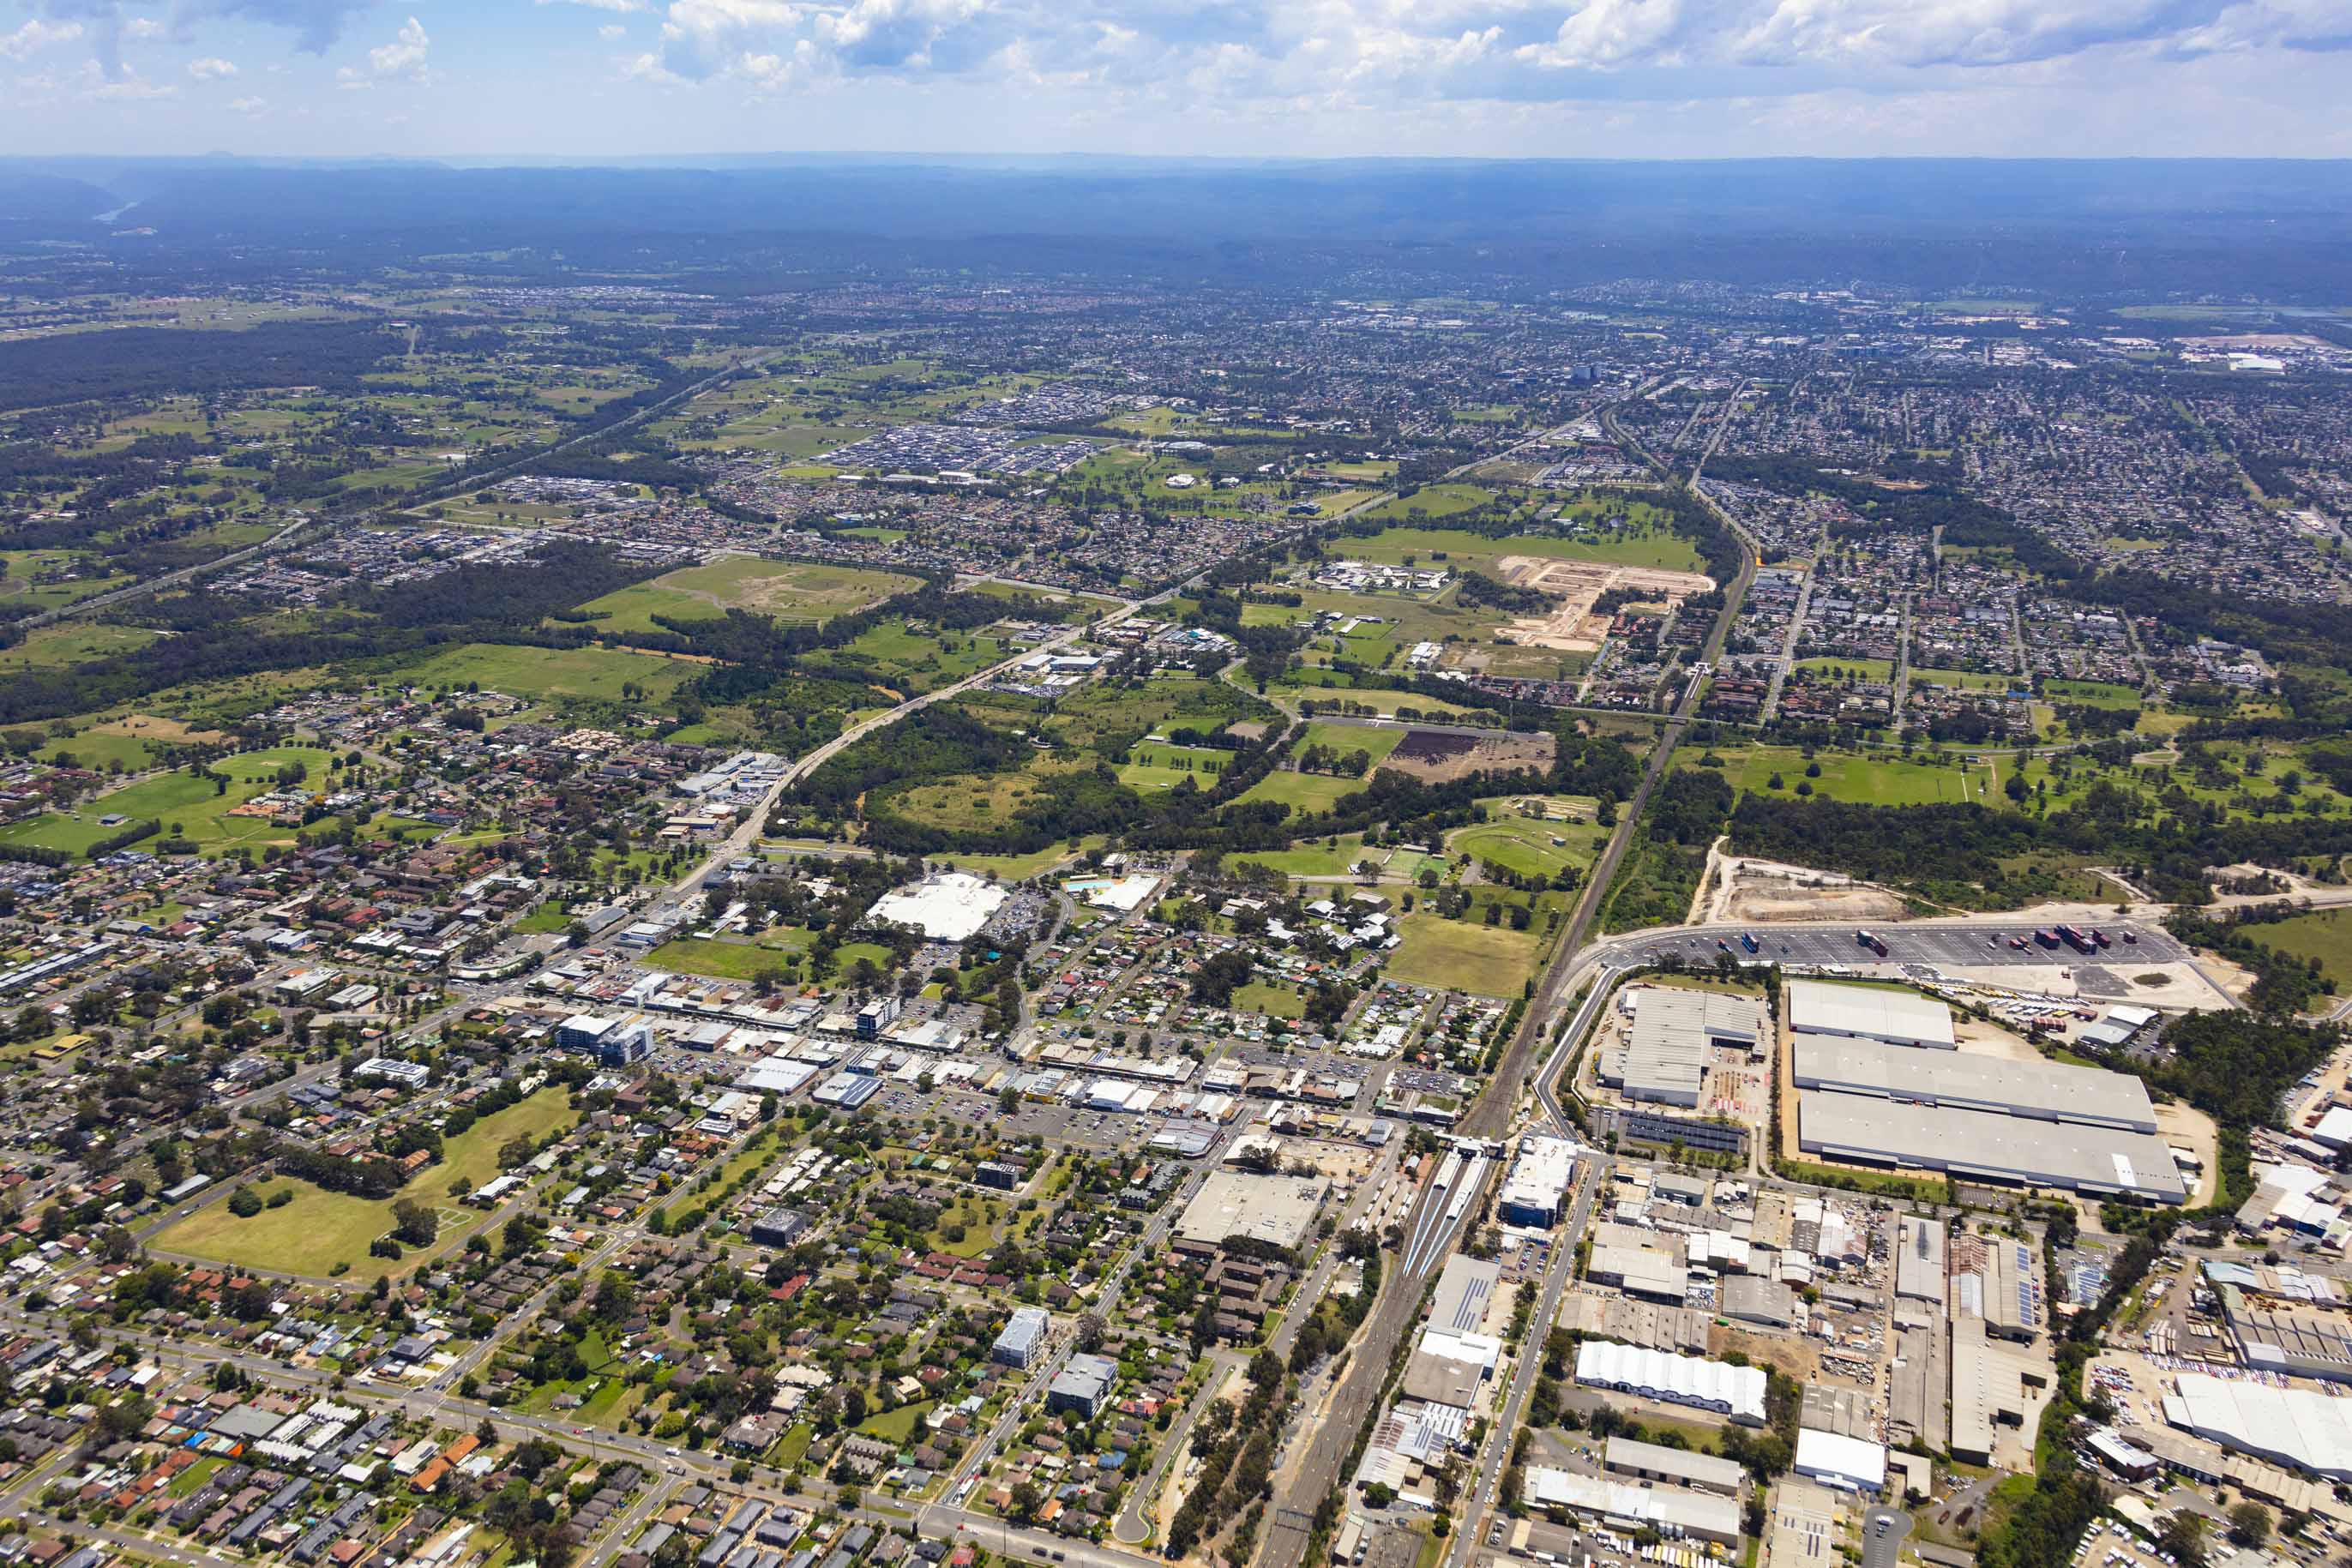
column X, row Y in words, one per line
column 1572, row 627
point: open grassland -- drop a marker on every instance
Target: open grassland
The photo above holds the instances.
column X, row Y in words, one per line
column 538, row 674
column 1302, row 792
column 1463, row 955
column 319, row 1229
column 1865, row 779
column 1158, row 767
column 1349, row 738
column 714, row 960
column 788, row 591
column 912, row 663
column 61, row 647
column 975, row 800
column 2324, row 934
column 1525, row 845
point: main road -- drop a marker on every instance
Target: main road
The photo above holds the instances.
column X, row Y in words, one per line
column 1317, row 1472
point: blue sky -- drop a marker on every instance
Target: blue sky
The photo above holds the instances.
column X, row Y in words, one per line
column 594, row 78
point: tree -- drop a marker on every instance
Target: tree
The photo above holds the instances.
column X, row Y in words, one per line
column 2250, row 1523
column 2183, row 1536
column 245, row 1203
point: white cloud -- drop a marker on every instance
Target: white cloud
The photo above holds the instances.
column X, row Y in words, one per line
column 405, row 55
column 600, row 4
column 36, row 35
column 143, row 27
column 247, row 105
column 212, row 68
column 611, row 31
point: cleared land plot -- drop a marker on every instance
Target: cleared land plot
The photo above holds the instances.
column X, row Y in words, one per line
column 1461, row 956
column 1658, row 549
column 320, row 1229
column 788, row 591
column 715, row 960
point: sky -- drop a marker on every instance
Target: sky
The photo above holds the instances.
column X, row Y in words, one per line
column 591, row 80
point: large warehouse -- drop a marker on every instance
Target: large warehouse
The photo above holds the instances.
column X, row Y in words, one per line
column 1870, row 1012
column 2045, row 1091
column 1734, row 1391
column 1666, row 1054
column 2308, row 1431
column 1535, row 1190
column 1276, row 1210
column 1987, row 1145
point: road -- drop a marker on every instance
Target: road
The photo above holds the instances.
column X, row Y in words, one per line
column 1288, row 1523
column 1884, row 1530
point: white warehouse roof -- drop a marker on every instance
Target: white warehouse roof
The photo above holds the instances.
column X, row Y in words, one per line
column 1835, row 1459
column 2310, row 1431
column 946, row 907
column 1870, row 1012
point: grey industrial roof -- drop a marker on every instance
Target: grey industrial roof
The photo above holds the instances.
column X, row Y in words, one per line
column 2050, row 1090
column 1672, row 1031
column 1876, row 1012
column 1985, row 1143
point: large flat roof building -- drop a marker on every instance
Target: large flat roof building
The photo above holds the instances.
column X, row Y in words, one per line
column 1655, row 1462
column 1534, row 1189
column 1464, row 1293
column 1987, row 1146
column 1700, row 1515
column 1665, row 1054
column 1276, row 1210
column 1870, row 1012
column 2045, row 1091
column 946, row 906
column 2300, row 1428
column 1919, row 1259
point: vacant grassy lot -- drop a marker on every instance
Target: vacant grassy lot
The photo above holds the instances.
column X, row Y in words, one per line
column 1349, row 738
column 717, row 960
column 56, row 647
column 788, row 591
column 320, row 1229
column 1303, row 792
column 595, row 674
column 1526, row 846
column 183, row 802
column 1874, row 780
column 2324, row 934
column 1276, row 1002
column 1155, row 767
column 1460, row 956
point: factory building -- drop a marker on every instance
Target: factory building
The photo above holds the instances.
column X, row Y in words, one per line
column 1734, row 1391
column 1666, row 1052
column 1985, row 1145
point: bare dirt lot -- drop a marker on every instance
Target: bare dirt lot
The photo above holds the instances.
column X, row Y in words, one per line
column 1764, row 895
column 1439, row 756
column 1571, row 626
